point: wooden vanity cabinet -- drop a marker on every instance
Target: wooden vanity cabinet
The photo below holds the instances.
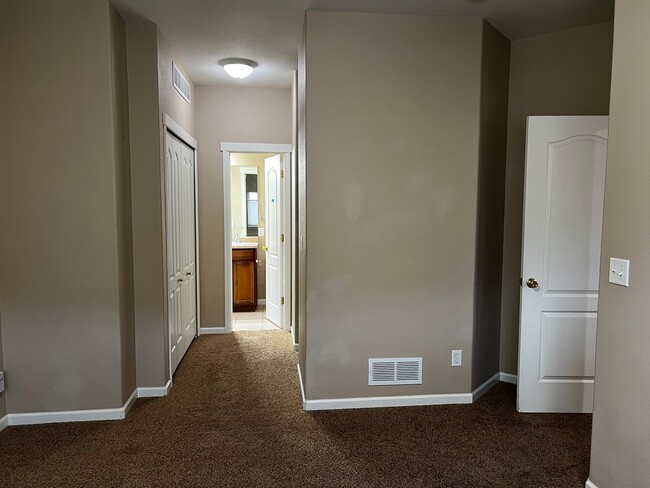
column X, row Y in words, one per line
column 244, row 280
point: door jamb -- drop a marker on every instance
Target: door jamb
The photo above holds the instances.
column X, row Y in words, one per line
column 285, row 151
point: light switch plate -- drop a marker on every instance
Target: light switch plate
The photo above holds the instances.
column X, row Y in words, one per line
column 619, row 271
column 260, row 231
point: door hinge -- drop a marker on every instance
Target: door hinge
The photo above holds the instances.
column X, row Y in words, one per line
column 281, row 237
column 281, row 173
column 282, row 301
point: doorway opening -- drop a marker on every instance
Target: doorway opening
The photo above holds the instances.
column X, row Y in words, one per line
column 257, row 236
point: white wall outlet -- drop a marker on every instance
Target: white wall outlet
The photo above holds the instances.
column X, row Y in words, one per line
column 619, row 271
column 260, row 231
column 457, row 357
column 2, row 381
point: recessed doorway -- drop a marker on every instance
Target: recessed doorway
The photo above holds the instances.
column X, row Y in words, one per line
column 257, row 236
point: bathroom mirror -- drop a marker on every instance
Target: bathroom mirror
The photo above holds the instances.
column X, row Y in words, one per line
column 245, row 201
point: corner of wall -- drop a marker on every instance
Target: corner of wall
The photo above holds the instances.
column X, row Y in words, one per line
column 495, row 70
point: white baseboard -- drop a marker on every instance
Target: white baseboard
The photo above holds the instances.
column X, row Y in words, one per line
column 590, row 484
column 508, row 378
column 73, row 415
column 296, row 346
column 4, row 422
column 154, row 391
column 261, row 301
column 402, row 400
column 388, row 401
column 302, row 389
column 213, row 330
column 485, row 387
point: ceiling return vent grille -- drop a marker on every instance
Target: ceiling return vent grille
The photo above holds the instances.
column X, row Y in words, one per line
column 395, row 371
column 180, row 83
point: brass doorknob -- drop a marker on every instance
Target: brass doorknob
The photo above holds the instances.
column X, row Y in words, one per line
column 265, row 248
column 532, row 283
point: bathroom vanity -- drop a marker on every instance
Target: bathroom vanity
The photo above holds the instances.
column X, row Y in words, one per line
column 244, row 277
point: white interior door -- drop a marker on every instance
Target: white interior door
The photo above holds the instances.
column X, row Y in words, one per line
column 273, row 189
column 181, row 254
column 563, row 214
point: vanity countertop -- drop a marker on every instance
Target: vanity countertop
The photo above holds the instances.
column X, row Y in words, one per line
column 244, row 245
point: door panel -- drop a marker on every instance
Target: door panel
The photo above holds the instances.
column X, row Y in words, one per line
column 181, row 254
column 274, row 245
column 563, row 212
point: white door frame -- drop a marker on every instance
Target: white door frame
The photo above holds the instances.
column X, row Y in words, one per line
column 243, row 147
column 170, row 125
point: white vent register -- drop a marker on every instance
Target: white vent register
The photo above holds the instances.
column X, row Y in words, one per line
column 395, row 371
column 180, row 83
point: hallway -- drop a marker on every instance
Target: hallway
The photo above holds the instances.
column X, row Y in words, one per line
column 234, row 418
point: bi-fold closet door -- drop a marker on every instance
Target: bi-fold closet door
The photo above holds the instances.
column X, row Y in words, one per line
column 181, row 248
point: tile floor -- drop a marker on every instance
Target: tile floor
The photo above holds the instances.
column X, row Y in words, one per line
column 252, row 320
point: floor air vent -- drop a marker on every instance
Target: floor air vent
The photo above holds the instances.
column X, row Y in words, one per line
column 395, row 371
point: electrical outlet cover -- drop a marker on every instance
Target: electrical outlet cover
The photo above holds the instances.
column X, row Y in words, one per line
column 457, row 357
column 619, row 271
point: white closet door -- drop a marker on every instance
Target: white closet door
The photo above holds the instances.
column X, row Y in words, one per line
column 181, row 255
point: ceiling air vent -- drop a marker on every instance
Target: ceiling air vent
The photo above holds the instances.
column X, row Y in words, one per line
column 395, row 371
column 180, row 83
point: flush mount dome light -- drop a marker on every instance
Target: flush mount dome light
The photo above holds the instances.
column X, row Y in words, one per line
column 238, row 67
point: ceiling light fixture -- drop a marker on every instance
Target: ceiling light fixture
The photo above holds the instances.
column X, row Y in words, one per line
column 238, row 67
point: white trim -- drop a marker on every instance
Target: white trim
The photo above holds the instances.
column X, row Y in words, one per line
column 73, row 415
column 214, row 330
column 154, row 391
column 288, row 240
column 172, row 126
column 302, row 388
column 296, row 346
column 261, row 301
column 388, row 401
column 590, row 484
column 4, row 422
column 227, row 241
column 508, row 378
column 249, row 147
column 485, row 387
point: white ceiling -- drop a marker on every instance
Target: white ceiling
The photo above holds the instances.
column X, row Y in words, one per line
column 268, row 31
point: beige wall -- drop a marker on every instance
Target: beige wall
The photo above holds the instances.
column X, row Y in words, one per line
column 120, row 89
column 61, row 255
column 621, row 424
column 390, row 252
column 151, row 94
column 495, row 68
column 228, row 115
column 256, row 161
column 171, row 102
column 564, row 73
column 301, row 150
column 146, row 181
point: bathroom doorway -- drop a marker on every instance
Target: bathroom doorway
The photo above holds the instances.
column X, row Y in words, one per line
column 257, row 236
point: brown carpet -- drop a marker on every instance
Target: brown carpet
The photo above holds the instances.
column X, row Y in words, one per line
column 234, row 418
